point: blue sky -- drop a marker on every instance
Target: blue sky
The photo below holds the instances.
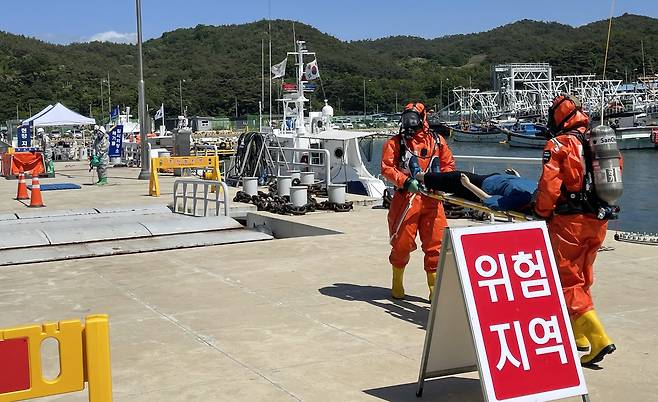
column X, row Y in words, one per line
column 64, row 21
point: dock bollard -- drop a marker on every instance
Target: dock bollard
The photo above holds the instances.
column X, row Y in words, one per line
column 295, row 174
column 250, row 185
column 307, row 178
column 336, row 193
column 283, row 184
column 298, row 196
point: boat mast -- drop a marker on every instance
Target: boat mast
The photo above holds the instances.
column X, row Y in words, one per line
column 300, row 127
column 262, row 84
column 269, row 38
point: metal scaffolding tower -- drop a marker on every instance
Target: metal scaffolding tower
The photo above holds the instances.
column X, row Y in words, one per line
column 511, row 80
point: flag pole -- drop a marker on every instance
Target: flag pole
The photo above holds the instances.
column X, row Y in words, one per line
column 262, row 81
column 269, row 37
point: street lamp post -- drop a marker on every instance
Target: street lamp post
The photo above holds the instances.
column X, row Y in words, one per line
column 441, row 94
column 180, row 93
column 109, row 94
column 145, row 172
column 364, row 100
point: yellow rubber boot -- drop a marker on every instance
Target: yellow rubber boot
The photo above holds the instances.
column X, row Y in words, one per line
column 397, row 288
column 431, row 279
column 582, row 344
column 589, row 325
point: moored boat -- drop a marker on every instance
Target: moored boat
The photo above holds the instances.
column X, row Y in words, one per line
column 478, row 134
column 309, row 141
column 639, row 137
column 526, row 135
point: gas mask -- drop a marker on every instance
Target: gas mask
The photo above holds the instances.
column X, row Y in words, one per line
column 410, row 122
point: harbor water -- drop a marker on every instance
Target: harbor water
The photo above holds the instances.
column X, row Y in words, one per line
column 638, row 203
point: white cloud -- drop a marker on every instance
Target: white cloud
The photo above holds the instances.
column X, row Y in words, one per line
column 114, row 37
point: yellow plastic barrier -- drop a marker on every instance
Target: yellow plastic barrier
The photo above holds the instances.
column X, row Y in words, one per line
column 181, row 162
column 84, row 355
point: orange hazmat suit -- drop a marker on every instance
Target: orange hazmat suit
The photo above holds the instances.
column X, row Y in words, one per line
column 424, row 151
column 575, row 237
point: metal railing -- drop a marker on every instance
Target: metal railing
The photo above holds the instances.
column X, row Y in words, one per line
column 130, row 153
column 212, row 150
column 207, row 187
column 326, row 163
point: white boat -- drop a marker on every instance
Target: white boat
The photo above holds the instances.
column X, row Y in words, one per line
column 309, row 141
column 130, row 126
column 640, row 137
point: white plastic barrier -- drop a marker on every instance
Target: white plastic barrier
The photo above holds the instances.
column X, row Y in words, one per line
column 186, row 190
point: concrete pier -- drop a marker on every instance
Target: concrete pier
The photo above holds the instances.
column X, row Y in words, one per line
column 295, row 319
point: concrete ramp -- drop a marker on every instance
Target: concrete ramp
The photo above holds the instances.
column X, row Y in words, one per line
column 40, row 237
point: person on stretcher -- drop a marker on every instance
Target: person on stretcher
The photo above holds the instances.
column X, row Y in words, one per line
column 498, row 191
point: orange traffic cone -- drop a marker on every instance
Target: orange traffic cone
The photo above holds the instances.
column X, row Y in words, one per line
column 36, row 201
column 21, row 194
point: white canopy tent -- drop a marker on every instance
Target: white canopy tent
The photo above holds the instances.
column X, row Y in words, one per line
column 35, row 116
column 58, row 115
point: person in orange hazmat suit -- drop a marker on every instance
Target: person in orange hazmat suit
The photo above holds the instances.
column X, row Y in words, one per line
column 575, row 231
column 414, row 150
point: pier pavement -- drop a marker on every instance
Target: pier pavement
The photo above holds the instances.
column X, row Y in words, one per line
column 296, row 319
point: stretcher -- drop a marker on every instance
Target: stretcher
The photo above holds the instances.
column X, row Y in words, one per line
column 445, row 197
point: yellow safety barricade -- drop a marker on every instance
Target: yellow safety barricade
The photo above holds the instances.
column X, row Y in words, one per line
column 182, row 162
column 84, row 356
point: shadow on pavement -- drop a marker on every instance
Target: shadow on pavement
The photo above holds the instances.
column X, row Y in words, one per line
column 406, row 310
column 448, row 389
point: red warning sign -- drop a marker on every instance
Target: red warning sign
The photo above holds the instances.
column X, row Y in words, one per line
column 499, row 309
column 14, row 365
column 522, row 325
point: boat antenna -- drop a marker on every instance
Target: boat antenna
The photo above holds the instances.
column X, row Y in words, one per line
column 607, row 44
column 294, row 37
column 324, row 96
column 605, row 59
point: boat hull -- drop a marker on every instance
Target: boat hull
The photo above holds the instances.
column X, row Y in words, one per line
column 467, row 136
column 525, row 141
column 636, row 137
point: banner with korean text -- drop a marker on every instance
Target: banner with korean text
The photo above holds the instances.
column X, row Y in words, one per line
column 116, row 141
column 24, row 136
column 499, row 309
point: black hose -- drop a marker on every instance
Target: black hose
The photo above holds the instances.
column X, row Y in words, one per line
column 250, row 158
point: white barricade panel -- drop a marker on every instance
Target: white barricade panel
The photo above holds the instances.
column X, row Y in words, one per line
column 451, row 350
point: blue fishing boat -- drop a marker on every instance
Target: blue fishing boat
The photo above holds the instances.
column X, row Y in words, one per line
column 526, row 135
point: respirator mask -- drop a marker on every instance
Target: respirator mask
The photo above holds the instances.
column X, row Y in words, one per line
column 410, row 122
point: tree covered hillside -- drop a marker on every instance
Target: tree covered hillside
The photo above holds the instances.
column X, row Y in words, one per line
column 220, row 64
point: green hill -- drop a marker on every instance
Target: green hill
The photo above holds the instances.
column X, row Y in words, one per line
column 222, row 63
